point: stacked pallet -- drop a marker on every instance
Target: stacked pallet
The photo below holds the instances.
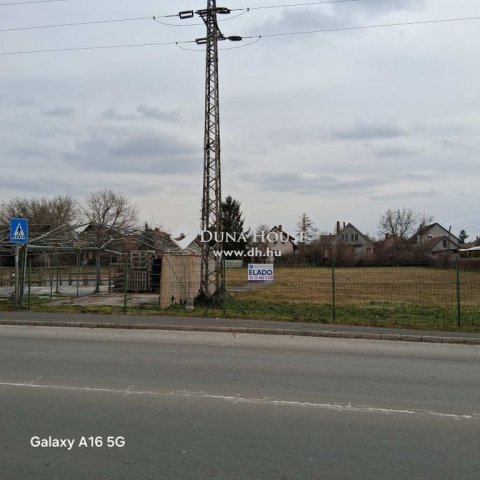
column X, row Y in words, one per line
column 140, row 270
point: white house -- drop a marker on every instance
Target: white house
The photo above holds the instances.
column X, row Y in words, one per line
column 351, row 236
column 435, row 239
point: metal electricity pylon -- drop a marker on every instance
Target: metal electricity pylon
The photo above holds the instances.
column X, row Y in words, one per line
column 212, row 179
column 211, row 271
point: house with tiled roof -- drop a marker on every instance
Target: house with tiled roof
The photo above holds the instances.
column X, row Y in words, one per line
column 435, row 240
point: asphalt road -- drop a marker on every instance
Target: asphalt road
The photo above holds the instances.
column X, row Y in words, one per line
column 223, row 406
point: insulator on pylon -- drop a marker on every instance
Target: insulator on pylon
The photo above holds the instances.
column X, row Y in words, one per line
column 235, row 38
column 223, row 10
column 186, row 14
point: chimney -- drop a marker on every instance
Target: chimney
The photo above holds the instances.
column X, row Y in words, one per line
column 280, row 228
column 343, row 224
column 338, row 227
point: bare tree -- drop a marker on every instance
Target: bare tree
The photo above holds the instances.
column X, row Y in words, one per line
column 44, row 214
column 424, row 218
column 262, row 228
column 111, row 209
column 305, row 229
column 110, row 215
column 401, row 223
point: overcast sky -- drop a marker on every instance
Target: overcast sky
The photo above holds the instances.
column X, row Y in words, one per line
column 339, row 125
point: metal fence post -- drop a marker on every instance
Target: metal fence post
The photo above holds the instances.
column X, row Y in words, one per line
column 78, row 274
column 334, row 306
column 24, row 274
column 29, row 282
column 125, row 284
column 224, row 289
column 457, row 267
column 17, row 275
column 57, row 272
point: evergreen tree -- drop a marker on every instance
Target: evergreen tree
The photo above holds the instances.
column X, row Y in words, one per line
column 233, row 226
column 462, row 236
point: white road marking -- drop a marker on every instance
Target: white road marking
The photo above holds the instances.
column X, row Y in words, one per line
column 129, row 390
column 262, row 401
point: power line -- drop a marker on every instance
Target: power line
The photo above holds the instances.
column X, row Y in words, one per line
column 97, row 47
column 299, row 4
column 75, row 24
column 156, row 17
column 365, row 27
column 31, row 2
column 242, row 10
column 267, row 35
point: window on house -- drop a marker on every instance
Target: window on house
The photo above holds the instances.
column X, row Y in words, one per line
column 445, row 243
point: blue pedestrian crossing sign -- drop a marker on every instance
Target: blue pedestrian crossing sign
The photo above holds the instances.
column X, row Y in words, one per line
column 19, row 230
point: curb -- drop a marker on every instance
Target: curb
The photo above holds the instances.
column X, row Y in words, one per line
column 253, row 330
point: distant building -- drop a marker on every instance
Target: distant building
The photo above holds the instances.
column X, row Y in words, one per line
column 350, row 238
column 435, row 240
column 282, row 241
column 272, row 244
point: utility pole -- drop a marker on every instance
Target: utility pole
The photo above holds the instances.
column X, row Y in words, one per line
column 212, row 179
column 211, row 271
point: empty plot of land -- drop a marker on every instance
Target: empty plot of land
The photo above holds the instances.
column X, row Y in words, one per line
column 424, row 286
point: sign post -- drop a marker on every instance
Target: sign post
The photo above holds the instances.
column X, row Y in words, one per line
column 18, row 236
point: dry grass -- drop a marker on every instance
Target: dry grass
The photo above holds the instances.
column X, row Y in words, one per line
column 406, row 285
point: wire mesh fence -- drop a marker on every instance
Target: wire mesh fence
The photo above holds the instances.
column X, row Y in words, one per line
column 445, row 296
column 408, row 296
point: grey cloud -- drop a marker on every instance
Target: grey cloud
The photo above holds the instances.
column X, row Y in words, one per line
column 36, row 185
column 44, row 185
column 295, row 136
column 313, row 183
column 142, row 112
column 25, row 102
column 27, row 152
column 333, row 15
column 397, row 152
column 382, row 6
column 369, row 131
column 114, row 114
column 156, row 113
column 58, row 111
column 406, row 195
column 292, row 20
column 290, row 182
column 155, row 153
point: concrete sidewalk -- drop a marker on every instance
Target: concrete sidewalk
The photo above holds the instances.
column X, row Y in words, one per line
column 160, row 322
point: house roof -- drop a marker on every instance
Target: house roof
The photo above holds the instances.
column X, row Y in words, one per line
column 470, row 249
column 161, row 241
column 424, row 230
column 356, row 229
column 348, row 226
column 279, row 228
column 188, row 244
column 474, row 244
column 430, row 245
